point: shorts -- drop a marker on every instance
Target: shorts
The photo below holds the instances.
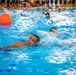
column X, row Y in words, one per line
column 51, row 1
column 56, row 1
column 13, row 2
column 60, row 2
column 64, row 1
column 8, row 2
column 2, row 1
column 73, row 1
column 37, row 2
column 43, row 2
column 16, row 2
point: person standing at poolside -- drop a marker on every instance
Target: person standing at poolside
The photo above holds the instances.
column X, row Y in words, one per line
column 60, row 3
column 43, row 3
column 51, row 3
column 3, row 3
column 56, row 6
column 38, row 3
column 73, row 3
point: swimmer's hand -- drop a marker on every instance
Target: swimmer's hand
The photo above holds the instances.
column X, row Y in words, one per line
column 51, row 21
column 24, row 15
column 4, row 48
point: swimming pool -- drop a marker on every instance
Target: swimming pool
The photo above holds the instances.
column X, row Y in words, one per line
column 39, row 60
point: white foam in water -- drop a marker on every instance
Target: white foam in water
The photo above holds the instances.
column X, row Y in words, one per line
column 68, row 72
column 44, row 33
column 22, row 56
column 52, row 39
column 57, row 39
column 59, row 56
column 61, row 19
column 24, row 24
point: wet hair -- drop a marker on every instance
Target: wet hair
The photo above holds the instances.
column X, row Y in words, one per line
column 38, row 39
column 47, row 13
column 52, row 28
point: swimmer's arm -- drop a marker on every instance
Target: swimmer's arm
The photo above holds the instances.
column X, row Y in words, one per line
column 51, row 21
column 56, row 45
column 27, row 15
column 48, row 45
column 43, row 12
column 19, row 44
column 15, row 45
column 24, row 15
column 56, row 19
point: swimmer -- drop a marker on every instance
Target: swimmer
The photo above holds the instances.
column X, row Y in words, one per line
column 47, row 14
column 32, row 41
column 59, row 10
column 53, row 30
column 24, row 15
column 57, row 19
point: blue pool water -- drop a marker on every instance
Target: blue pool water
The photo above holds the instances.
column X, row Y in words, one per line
column 39, row 60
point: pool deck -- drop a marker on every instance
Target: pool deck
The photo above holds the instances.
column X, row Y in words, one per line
column 23, row 8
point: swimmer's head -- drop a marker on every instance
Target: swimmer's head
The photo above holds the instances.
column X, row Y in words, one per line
column 47, row 15
column 53, row 30
column 33, row 39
